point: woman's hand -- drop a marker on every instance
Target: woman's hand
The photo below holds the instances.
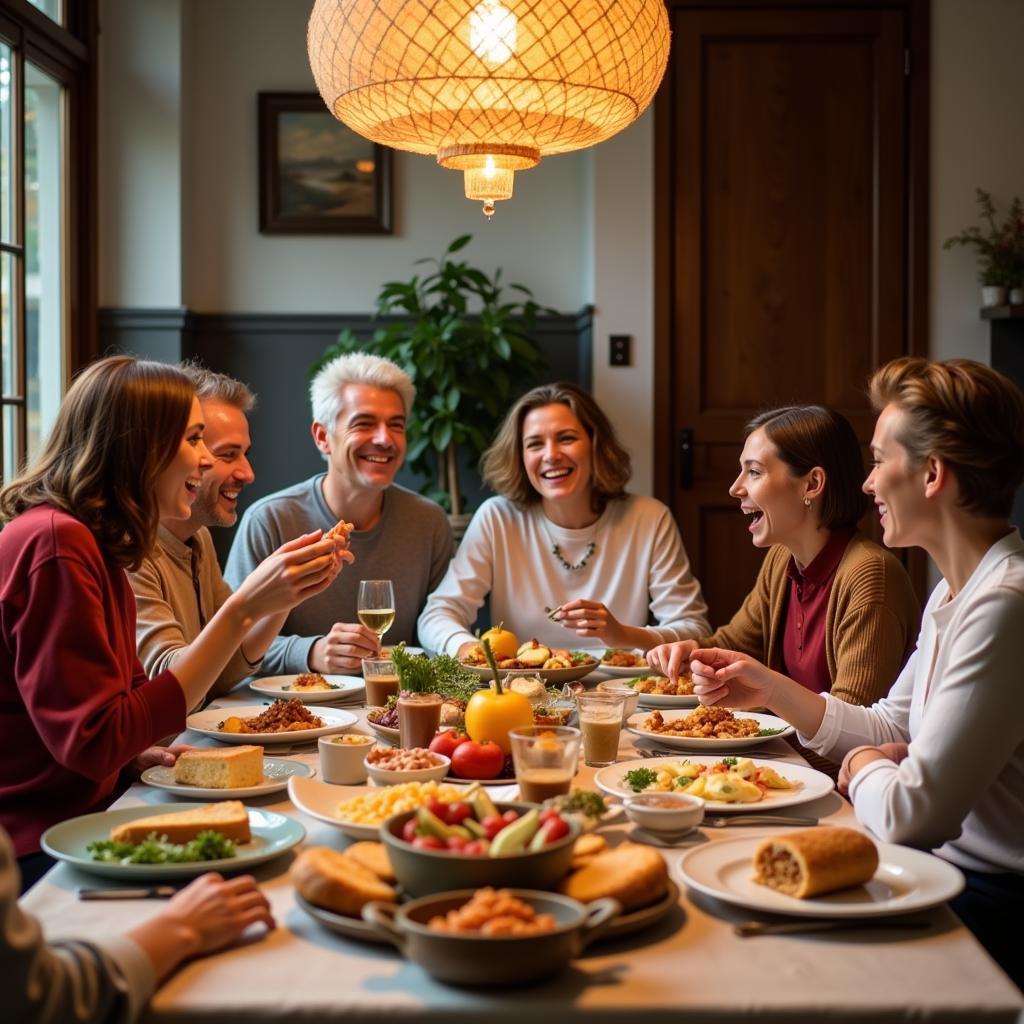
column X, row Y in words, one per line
column 671, row 660
column 593, row 619
column 730, row 678
column 344, row 648
column 163, row 756
column 861, row 757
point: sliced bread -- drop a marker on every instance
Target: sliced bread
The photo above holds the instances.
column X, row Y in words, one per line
column 229, row 817
column 220, row 769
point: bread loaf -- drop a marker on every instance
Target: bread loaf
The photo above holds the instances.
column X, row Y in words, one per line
column 229, row 817
column 634, row 875
column 337, row 882
column 220, row 769
column 814, row 861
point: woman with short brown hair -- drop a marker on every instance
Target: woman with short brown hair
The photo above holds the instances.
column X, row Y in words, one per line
column 563, row 532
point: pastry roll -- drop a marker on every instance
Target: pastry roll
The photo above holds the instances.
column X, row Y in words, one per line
column 814, row 861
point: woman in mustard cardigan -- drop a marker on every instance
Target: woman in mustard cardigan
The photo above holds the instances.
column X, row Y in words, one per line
column 830, row 608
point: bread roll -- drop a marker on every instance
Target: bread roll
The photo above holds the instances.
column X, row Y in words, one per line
column 635, row 875
column 586, row 848
column 336, row 881
column 229, row 817
column 814, row 861
column 373, row 856
column 220, row 769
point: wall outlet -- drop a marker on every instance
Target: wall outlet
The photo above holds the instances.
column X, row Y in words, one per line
column 620, row 350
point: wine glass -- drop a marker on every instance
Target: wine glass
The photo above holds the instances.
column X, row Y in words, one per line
column 376, row 605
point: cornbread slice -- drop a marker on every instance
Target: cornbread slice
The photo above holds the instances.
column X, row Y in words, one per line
column 634, row 875
column 229, row 817
column 337, row 882
column 373, row 856
column 814, row 861
column 220, row 769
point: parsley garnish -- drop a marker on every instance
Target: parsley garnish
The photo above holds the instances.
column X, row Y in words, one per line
column 640, row 778
column 770, row 732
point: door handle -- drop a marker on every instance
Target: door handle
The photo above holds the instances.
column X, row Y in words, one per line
column 686, row 458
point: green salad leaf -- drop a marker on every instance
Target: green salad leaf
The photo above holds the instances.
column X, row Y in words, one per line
column 208, row 845
column 770, row 732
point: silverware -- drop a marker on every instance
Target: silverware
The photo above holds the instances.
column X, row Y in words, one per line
column 552, row 613
column 728, row 820
column 751, row 929
column 155, row 892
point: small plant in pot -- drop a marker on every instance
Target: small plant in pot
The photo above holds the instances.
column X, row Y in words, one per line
column 469, row 349
column 999, row 248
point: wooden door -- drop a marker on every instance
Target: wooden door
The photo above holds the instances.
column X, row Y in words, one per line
column 782, row 144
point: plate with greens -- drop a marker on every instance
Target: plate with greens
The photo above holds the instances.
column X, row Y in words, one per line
column 667, row 728
column 79, row 841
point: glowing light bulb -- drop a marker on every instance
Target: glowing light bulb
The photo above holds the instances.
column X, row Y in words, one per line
column 492, row 32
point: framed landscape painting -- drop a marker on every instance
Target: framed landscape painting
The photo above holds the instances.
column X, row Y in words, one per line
column 316, row 175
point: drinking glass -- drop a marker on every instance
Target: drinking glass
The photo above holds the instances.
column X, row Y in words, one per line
column 376, row 605
column 381, row 680
column 545, row 760
column 600, row 723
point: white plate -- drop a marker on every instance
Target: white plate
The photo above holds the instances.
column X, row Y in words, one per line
column 906, row 880
column 205, row 722
column 384, row 732
column 348, row 689
column 320, row 800
column 625, row 671
column 272, row 835
column 813, row 784
column 635, row 726
column 276, row 773
column 547, row 675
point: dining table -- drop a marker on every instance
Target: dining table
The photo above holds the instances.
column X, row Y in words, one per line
column 689, row 966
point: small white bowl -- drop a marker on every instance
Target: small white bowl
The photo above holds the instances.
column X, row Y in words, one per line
column 384, row 777
column 617, row 686
column 665, row 812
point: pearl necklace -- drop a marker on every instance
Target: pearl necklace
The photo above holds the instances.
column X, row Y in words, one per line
column 557, row 552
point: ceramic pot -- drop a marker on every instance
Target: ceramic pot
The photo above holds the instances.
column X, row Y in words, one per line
column 991, row 295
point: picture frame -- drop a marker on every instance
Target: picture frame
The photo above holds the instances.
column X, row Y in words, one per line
column 317, row 176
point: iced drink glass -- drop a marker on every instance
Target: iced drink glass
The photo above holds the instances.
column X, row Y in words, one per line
column 600, row 723
column 545, row 759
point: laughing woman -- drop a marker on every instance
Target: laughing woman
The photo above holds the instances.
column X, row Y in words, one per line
column 75, row 705
column 563, row 532
column 939, row 763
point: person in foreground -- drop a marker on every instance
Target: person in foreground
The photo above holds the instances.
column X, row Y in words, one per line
column 360, row 406
column 830, row 609
column 76, row 707
column 563, row 532
column 938, row 763
column 109, row 980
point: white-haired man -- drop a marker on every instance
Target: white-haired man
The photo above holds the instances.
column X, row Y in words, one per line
column 360, row 407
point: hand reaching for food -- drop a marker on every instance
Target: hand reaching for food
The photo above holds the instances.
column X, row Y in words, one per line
column 672, row 660
column 730, row 678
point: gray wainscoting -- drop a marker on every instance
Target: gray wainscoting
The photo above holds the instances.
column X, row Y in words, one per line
column 273, row 352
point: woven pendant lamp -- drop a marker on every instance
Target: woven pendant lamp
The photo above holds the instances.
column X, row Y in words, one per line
column 489, row 86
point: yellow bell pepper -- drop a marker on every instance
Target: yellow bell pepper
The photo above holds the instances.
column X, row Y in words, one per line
column 491, row 713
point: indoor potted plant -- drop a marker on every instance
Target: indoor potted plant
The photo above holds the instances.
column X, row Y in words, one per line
column 999, row 248
column 469, row 350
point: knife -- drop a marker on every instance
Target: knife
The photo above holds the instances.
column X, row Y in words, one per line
column 728, row 820
column 750, row 929
column 155, row 892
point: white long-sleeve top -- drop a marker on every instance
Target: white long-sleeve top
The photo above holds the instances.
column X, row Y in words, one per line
column 638, row 569
column 959, row 702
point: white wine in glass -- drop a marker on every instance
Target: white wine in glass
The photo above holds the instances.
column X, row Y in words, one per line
column 376, row 605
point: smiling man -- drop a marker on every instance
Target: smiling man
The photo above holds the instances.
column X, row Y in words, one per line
column 360, row 406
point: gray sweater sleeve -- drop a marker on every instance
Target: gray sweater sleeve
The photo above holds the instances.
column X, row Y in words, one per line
column 96, row 982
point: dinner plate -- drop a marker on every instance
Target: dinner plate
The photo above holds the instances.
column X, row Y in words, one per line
column 346, row 688
column 205, row 722
column 276, row 773
column 812, row 783
column 272, row 835
column 320, row 800
column 384, row 732
column 625, row 671
column 350, row 927
column 635, row 725
column 906, row 880
column 546, row 675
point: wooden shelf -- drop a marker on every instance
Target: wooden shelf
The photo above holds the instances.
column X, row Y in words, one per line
column 1002, row 313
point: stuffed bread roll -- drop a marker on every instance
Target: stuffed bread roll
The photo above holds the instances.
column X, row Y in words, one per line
column 814, row 861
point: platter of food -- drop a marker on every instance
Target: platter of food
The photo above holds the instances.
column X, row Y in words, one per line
column 311, row 687
column 274, row 774
column 727, row 785
column 897, row 880
column 655, row 691
column 708, row 728
column 549, row 676
column 284, row 721
column 126, row 843
column 622, row 663
column 389, row 734
column 549, row 664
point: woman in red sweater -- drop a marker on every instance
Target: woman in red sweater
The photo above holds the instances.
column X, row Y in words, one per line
column 76, row 708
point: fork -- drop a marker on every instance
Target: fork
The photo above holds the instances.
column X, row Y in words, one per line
column 728, row 820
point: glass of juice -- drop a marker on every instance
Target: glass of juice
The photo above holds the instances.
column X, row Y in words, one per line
column 381, row 681
column 600, row 723
column 545, row 759
column 419, row 717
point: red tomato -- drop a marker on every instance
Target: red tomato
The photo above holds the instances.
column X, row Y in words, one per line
column 457, row 844
column 409, row 829
column 446, row 741
column 438, row 808
column 493, row 824
column 509, row 816
column 476, row 848
column 428, row 843
column 554, row 829
column 549, row 814
column 458, row 812
column 474, row 760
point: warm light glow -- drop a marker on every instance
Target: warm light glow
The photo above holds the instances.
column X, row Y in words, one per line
column 365, row 166
column 492, row 32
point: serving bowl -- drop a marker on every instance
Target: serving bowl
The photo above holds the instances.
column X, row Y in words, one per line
column 484, row 961
column 665, row 812
column 387, row 777
column 423, row 872
column 617, row 686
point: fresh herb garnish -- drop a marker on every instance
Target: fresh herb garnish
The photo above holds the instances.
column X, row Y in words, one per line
column 442, row 674
column 681, row 782
column 208, row 845
column 770, row 732
column 583, row 801
column 640, row 778
column 730, row 761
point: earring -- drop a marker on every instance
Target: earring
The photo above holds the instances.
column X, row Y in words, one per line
column 807, row 502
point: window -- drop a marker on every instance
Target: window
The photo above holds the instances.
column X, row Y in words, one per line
column 46, row 214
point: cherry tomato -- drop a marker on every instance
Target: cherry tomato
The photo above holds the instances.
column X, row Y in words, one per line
column 458, row 812
column 476, row 848
column 457, row 844
column 428, row 843
column 509, row 816
column 549, row 814
column 472, row 760
column 554, row 829
column 409, row 829
column 493, row 824
column 447, row 740
column 438, row 808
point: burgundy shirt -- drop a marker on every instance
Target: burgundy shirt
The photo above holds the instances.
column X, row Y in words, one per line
column 803, row 631
column 75, row 703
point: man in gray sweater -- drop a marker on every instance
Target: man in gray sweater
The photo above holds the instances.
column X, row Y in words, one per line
column 360, row 407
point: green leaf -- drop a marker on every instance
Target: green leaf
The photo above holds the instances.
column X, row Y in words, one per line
column 453, row 398
column 441, row 435
column 460, row 243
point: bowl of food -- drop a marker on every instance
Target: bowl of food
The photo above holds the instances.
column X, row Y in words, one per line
column 665, row 812
column 527, row 935
column 388, row 766
column 475, row 842
column 616, row 686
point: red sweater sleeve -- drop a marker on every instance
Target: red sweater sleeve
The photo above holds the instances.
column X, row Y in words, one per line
column 76, row 667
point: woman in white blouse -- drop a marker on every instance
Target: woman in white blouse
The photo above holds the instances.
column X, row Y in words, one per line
column 564, row 534
column 939, row 762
